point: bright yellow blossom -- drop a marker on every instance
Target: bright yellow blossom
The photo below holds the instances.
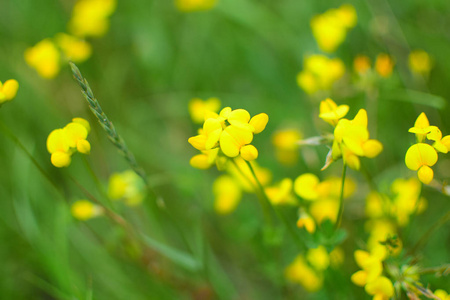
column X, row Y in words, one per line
column 331, row 113
column 127, row 186
column 74, row 49
column 384, row 65
column 318, row 258
column 91, row 17
column 421, row 127
column 381, row 288
column 227, row 193
column 281, row 193
column 441, row 294
column 361, row 64
column 44, row 57
column 8, row 90
column 198, row 108
column 420, row 62
column 84, row 210
column 420, row 157
column 300, row 272
column 306, row 221
column 286, row 145
column 194, row 5
column 324, row 209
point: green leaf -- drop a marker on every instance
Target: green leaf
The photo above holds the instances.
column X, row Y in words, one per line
column 416, row 97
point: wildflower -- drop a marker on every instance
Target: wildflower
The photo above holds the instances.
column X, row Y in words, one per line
column 306, row 221
column 198, row 108
column 128, row 186
column 8, row 90
column 441, row 294
column 419, row 62
column 62, row 143
column 330, row 28
column 227, row 194
column 371, row 265
column 420, row 157
column 90, row 17
column 300, row 272
column 421, row 127
column 351, row 140
column 361, row 64
column 84, row 210
column 320, row 73
column 194, row 5
column 318, row 258
column 74, row 49
column 286, row 145
column 281, row 193
column 331, row 113
column 381, row 288
column 384, row 65
column 44, row 57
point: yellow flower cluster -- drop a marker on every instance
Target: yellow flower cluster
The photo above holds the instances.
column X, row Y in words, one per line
column 320, row 73
column 384, row 65
column 286, row 145
column 194, row 5
column 8, row 90
column 128, row 186
column 421, row 156
column 84, row 210
column 370, row 277
column 307, row 270
column 89, row 18
column 227, row 134
column 330, row 28
column 323, row 199
column 228, row 189
column 351, row 137
column 420, row 62
column 62, row 143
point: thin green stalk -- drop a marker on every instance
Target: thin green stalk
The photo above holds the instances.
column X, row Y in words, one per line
column 97, row 182
column 341, row 199
column 281, row 216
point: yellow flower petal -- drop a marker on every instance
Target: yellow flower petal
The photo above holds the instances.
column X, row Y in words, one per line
column 425, row 174
column 57, row 141
column 380, row 286
column 9, row 89
column 83, row 146
column 227, row 194
column 419, row 155
column 233, row 138
column 198, row 141
column 259, row 122
column 359, row 278
column 60, row 159
column 249, row 152
column 306, row 186
column 75, row 132
column 372, row 148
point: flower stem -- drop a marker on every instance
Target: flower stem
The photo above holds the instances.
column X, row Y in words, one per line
column 341, row 199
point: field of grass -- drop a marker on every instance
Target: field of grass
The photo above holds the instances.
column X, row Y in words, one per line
column 183, row 233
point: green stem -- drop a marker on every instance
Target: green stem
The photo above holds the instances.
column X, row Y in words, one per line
column 97, row 182
column 436, row 270
column 341, row 199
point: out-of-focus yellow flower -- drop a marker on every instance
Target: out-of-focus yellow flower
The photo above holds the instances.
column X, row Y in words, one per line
column 420, row 157
column 361, row 64
column 194, row 5
column 371, row 265
column 62, row 143
column 384, row 65
column 243, row 175
column 375, row 207
column 324, row 209
column 8, row 90
column 380, row 230
column 44, row 57
column 351, row 139
column 381, row 288
column 286, row 145
column 84, row 210
column 441, row 294
column 309, row 187
column 420, row 62
column 306, row 221
column 74, row 49
column 90, row 17
column 331, row 113
column 204, row 160
column 281, row 193
column 337, row 257
column 127, row 186
column 318, row 258
column 227, row 194
column 320, row 73
column 198, row 108
column 330, row 28
column 421, row 127
column 300, row 272
column 407, row 200
column 306, row 186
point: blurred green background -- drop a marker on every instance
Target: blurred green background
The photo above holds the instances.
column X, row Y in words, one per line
column 144, row 71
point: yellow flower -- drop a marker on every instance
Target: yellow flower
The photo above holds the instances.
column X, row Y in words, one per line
column 421, row 127
column 306, row 186
column 194, row 5
column 441, row 294
column 90, row 17
column 84, row 210
column 74, row 49
column 331, row 113
column 281, row 193
column 8, row 90
column 330, row 28
column 76, row 135
column 300, row 272
column 286, row 145
column 306, row 221
column 128, row 186
column 337, row 257
column 318, row 258
column 384, row 65
column 361, row 64
column 44, row 57
column 205, row 160
column 320, row 73
column 324, row 209
column 420, row 62
column 198, row 108
column 371, row 265
column 381, row 288
column 227, row 194
column 421, row 157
